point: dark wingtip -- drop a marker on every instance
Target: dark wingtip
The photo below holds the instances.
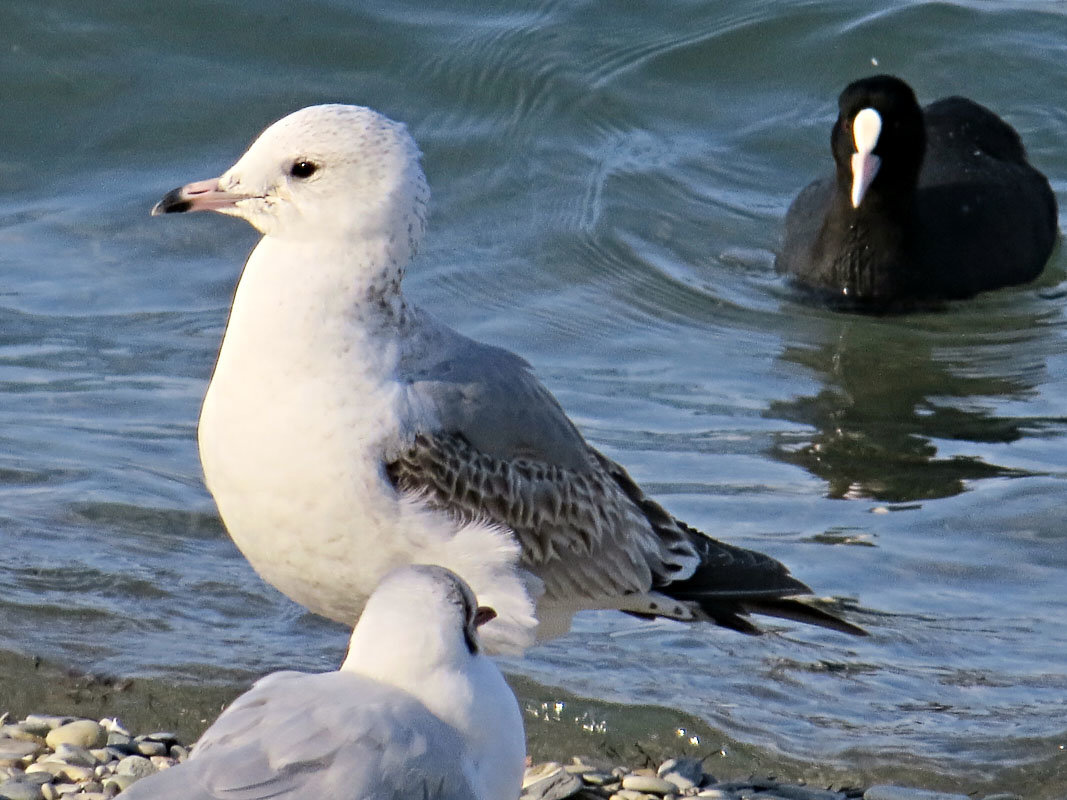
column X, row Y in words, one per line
column 173, row 202
column 798, row 610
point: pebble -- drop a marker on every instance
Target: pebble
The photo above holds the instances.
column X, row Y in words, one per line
column 43, row 723
column 39, row 778
column 20, row 732
column 82, row 732
column 51, row 768
column 76, row 772
column 135, row 766
column 120, row 752
column 648, row 784
column 73, row 754
column 121, row 741
column 13, row 751
column 539, row 772
column 578, row 768
column 149, row 747
column 167, row 737
column 15, row 789
column 119, row 782
column 598, row 778
column 549, row 781
column 684, row 773
column 887, row 792
column 112, row 725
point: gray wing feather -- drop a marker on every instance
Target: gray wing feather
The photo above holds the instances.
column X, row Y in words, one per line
column 579, row 531
column 595, row 536
column 330, row 735
column 483, row 439
column 487, row 440
column 488, row 394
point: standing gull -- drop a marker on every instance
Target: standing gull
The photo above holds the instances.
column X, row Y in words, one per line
column 416, row 711
column 346, row 431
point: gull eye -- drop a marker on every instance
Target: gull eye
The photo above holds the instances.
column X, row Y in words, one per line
column 302, row 168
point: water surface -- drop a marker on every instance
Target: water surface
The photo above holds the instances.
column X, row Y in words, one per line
column 609, row 183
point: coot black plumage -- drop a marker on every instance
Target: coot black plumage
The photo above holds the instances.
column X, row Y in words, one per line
column 925, row 205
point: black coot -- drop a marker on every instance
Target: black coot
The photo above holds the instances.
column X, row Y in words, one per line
column 925, row 205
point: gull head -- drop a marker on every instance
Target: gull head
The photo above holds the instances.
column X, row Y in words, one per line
column 421, row 612
column 329, row 171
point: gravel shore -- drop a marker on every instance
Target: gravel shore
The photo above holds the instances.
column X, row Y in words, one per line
column 580, row 748
column 48, row 757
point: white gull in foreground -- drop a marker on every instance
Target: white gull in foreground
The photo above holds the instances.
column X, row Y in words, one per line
column 346, row 431
column 415, row 712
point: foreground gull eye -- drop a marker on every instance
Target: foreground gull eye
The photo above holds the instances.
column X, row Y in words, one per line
column 302, row 168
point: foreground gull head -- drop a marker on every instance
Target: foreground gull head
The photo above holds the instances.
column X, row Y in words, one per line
column 414, row 712
column 346, row 431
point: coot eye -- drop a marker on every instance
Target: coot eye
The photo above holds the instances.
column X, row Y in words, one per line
column 302, row 168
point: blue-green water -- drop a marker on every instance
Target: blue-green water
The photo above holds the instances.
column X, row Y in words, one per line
column 609, row 183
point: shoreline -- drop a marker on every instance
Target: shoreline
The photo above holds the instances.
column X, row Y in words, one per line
column 561, row 728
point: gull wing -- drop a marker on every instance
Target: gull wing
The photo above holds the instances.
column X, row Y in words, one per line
column 335, row 734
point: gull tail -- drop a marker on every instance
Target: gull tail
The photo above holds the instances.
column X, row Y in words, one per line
column 724, row 584
column 732, row 583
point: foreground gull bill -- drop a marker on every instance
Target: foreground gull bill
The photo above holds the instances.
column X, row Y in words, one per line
column 416, row 711
column 346, row 431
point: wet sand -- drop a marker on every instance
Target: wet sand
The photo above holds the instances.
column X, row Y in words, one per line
column 559, row 726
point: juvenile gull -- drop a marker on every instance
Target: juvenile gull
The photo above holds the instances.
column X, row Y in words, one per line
column 416, row 711
column 346, row 431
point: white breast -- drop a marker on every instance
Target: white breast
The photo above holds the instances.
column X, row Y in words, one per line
column 302, row 405
column 290, row 434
